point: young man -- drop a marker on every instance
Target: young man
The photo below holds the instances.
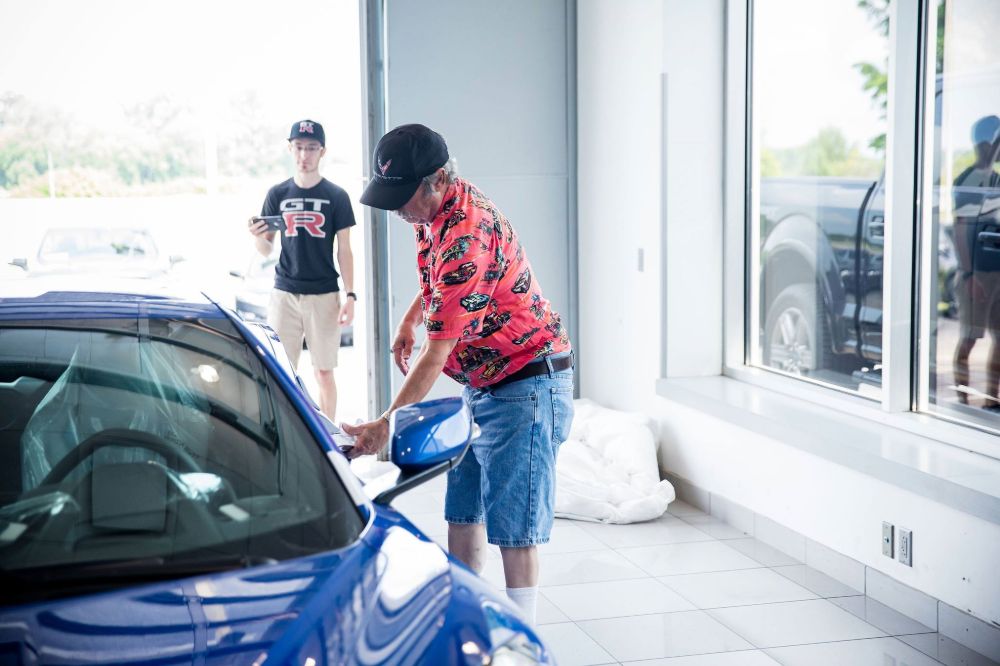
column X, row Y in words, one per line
column 306, row 299
column 489, row 328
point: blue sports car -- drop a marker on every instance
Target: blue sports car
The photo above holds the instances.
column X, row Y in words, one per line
column 169, row 494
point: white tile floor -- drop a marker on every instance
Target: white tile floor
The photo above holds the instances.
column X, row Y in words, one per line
column 690, row 590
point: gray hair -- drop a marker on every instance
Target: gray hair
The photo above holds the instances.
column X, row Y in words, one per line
column 450, row 174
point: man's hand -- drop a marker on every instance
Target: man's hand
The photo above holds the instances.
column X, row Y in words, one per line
column 347, row 312
column 369, row 437
column 257, row 226
column 402, row 346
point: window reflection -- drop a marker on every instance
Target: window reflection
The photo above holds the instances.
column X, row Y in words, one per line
column 963, row 359
column 818, row 140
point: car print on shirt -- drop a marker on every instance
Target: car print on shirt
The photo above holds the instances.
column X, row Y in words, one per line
column 523, row 282
column 473, row 357
column 452, row 220
column 471, row 328
column 493, row 368
column 434, row 325
column 460, row 275
column 449, row 204
column 493, row 322
column 536, row 307
column 527, row 336
column 437, row 300
column 544, row 350
column 475, row 302
column 458, row 249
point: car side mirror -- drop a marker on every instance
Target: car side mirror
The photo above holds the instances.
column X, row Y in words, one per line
column 20, row 262
column 428, row 439
column 175, row 259
column 236, row 274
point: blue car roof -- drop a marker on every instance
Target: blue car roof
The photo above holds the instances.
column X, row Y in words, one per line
column 29, row 300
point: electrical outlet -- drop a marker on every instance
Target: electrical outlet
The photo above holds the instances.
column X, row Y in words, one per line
column 887, row 539
column 905, row 547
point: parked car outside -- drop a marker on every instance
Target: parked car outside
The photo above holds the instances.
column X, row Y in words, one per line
column 254, row 292
column 170, row 494
column 821, row 258
column 122, row 252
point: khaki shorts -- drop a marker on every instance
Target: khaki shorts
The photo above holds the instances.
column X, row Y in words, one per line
column 315, row 317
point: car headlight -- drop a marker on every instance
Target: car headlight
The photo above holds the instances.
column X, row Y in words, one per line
column 519, row 650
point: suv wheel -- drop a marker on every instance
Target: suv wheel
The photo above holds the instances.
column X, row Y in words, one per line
column 792, row 337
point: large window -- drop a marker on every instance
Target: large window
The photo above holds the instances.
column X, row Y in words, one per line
column 830, row 243
column 818, row 138
column 961, row 259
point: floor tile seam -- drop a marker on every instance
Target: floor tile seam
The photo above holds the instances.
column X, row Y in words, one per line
column 698, row 573
column 799, row 601
column 543, row 586
column 708, row 537
column 594, row 582
column 848, row 640
column 596, row 642
column 928, row 654
column 832, row 596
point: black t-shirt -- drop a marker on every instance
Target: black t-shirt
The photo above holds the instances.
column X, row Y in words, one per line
column 312, row 218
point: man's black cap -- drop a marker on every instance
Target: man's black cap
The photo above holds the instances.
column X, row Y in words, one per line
column 402, row 157
column 308, row 129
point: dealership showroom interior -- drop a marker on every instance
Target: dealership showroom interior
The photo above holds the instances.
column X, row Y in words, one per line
column 527, row 332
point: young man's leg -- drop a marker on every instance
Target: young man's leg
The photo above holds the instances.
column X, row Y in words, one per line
column 285, row 317
column 321, row 315
column 327, row 391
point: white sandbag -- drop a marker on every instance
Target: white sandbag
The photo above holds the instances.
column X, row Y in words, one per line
column 607, row 470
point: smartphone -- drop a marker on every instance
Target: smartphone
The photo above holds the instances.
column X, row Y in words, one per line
column 274, row 222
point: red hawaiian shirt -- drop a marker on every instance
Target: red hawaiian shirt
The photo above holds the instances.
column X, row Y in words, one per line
column 478, row 286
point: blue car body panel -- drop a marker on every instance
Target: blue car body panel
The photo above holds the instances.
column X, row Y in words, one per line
column 391, row 597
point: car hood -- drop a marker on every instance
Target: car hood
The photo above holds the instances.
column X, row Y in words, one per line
column 391, row 596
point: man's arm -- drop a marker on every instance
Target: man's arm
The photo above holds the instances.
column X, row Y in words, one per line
column 371, row 437
column 263, row 239
column 345, row 260
column 406, row 335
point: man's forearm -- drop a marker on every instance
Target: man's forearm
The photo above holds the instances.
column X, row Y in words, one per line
column 346, row 262
column 413, row 315
column 421, row 377
column 264, row 246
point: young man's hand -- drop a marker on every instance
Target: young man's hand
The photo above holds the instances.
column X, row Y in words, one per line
column 257, row 226
column 347, row 312
column 369, row 438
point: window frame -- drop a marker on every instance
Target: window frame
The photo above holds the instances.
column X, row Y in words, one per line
column 909, row 118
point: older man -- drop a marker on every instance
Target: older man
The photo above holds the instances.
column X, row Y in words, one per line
column 490, row 328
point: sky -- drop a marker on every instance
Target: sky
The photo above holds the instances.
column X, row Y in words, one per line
column 804, row 57
column 805, row 80
column 92, row 58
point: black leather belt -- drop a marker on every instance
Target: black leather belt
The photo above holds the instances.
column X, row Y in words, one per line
column 535, row 368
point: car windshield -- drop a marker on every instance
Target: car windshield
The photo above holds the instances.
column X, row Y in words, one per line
column 65, row 245
column 139, row 449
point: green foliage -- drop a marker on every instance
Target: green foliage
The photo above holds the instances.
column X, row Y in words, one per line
column 875, row 77
column 158, row 149
column 826, row 154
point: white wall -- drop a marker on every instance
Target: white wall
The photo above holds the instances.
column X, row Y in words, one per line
column 632, row 194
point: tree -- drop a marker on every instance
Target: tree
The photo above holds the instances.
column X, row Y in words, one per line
column 876, row 78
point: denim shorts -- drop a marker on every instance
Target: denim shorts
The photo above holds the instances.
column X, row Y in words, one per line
column 508, row 477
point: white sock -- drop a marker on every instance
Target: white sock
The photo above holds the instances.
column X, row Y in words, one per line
column 526, row 599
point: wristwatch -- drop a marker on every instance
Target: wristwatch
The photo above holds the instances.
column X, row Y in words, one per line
column 351, row 294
